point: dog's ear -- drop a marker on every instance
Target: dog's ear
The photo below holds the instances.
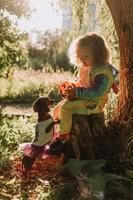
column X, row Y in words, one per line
column 35, row 106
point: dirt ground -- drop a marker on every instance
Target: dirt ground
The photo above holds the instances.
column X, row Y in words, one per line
column 17, row 109
column 45, row 172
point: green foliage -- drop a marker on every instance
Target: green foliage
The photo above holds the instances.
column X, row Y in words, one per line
column 15, row 7
column 54, row 94
column 67, row 191
column 74, row 166
column 45, row 192
column 80, row 12
column 13, row 130
column 129, row 174
column 53, row 51
column 89, row 175
column 13, row 50
column 107, row 30
column 97, row 182
column 92, row 182
column 29, row 92
column 37, row 57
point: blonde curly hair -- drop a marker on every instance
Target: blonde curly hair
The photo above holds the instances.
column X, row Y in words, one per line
column 92, row 42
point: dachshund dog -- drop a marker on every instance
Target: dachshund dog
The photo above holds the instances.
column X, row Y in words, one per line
column 43, row 133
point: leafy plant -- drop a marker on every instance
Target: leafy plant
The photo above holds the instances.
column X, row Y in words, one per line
column 17, row 7
column 67, row 191
column 54, row 50
column 13, row 47
column 45, row 192
column 13, row 131
column 92, row 182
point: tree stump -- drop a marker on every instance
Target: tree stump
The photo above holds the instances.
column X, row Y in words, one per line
column 87, row 135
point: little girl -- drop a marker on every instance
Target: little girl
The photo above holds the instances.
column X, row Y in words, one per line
column 96, row 79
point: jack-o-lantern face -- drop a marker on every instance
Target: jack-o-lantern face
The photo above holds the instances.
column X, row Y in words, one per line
column 65, row 86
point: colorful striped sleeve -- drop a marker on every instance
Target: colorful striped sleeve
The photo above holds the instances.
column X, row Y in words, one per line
column 100, row 87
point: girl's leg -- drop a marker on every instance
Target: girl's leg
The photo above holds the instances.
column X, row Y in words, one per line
column 67, row 109
column 57, row 110
column 56, row 113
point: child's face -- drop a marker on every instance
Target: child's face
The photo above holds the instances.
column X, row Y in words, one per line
column 85, row 56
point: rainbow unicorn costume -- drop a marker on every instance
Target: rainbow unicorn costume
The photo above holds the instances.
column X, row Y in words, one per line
column 91, row 93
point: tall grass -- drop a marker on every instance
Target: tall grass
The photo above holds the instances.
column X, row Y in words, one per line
column 26, row 85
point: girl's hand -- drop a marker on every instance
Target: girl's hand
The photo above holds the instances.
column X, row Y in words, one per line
column 70, row 94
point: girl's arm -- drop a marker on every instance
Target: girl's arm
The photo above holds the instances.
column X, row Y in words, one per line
column 100, row 87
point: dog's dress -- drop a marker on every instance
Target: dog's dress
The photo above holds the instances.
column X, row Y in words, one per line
column 42, row 137
column 91, row 93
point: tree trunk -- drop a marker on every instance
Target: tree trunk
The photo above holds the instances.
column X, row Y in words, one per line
column 92, row 139
column 122, row 13
column 87, row 134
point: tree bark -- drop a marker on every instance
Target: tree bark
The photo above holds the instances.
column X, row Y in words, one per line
column 86, row 134
column 122, row 14
column 91, row 138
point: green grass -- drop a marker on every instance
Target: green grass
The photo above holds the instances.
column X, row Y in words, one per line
column 13, row 131
column 27, row 85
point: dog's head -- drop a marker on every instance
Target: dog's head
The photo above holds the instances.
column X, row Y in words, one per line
column 41, row 105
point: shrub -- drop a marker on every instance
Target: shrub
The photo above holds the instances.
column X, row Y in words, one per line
column 36, row 63
column 13, row 130
column 27, row 85
column 53, row 51
column 13, row 46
